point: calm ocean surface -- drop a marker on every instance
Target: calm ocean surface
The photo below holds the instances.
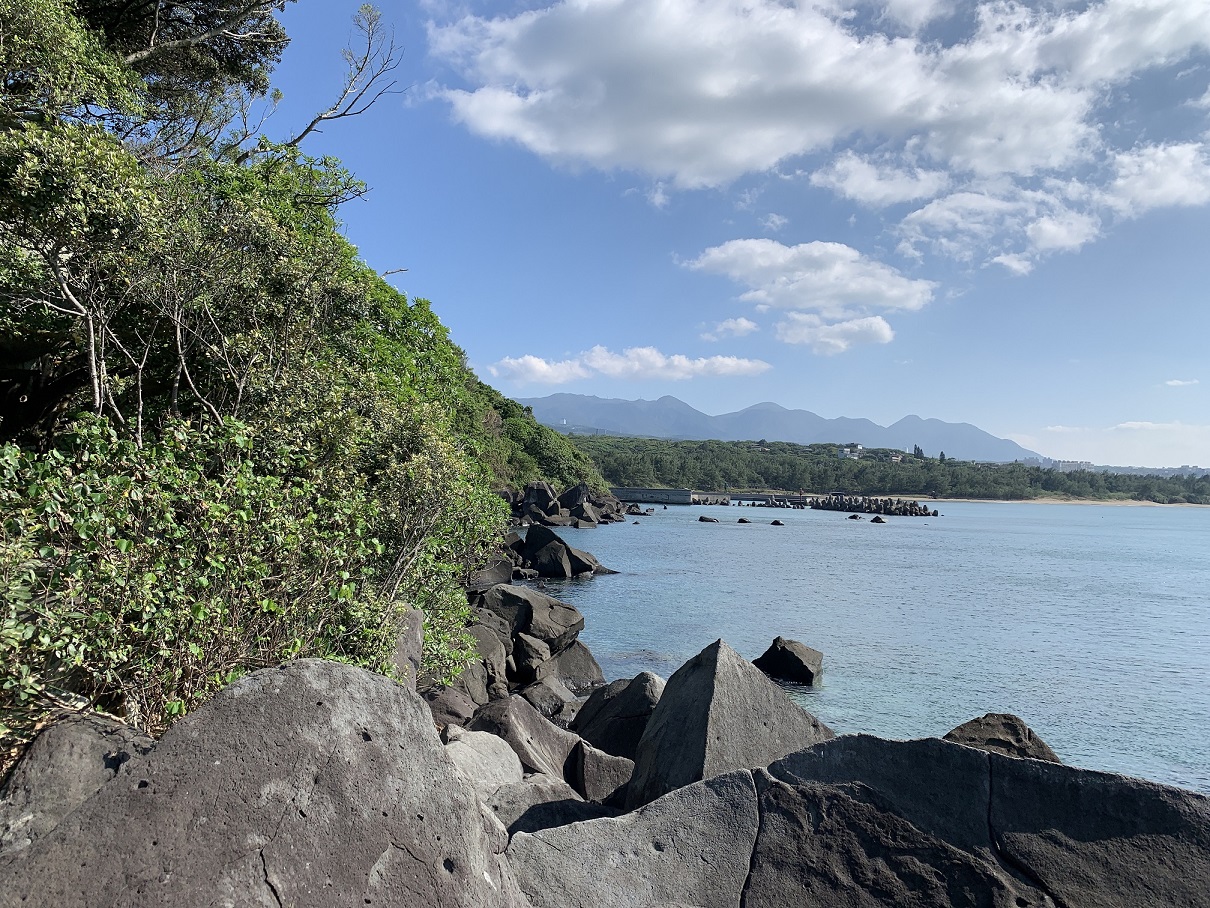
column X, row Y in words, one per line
column 1090, row 622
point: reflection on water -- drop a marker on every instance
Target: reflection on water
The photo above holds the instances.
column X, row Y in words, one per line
column 1090, row 622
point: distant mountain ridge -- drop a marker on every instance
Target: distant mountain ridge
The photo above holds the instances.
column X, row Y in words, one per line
column 671, row 418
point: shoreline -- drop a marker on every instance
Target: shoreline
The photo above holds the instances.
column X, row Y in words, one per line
column 1115, row 502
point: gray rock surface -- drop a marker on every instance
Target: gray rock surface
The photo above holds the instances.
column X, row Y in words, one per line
column 690, row 847
column 837, row 845
column 484, row 760
column 541, row 802
column 596, row 775
column 548, row 696
column 614, row 717
column 531, row 659
column 449, row 706
column 409, row 648
column 1003, row 733
column 310, row 785
column 528, row 611
column 577, row 669
column 540, row 745
column 494, row 658
column 717, row 713
column 498, row 570
column 789, row 660
column 473, row 682
column 1046, row 834
column 64, row 766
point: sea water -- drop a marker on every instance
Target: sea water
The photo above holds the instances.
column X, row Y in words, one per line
column 1091, row 622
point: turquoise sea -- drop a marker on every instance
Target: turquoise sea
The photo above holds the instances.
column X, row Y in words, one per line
column 1091, row 622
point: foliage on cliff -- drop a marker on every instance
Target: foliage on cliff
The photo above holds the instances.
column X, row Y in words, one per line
column 226, row 441
column 717, row 466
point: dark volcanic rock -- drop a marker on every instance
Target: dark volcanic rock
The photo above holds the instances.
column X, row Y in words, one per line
column 409, row 648
column 541, row 746
column 499, row 570
column 577, row 668
column 450, row 706
column 776, row 523
column 1003, row 733
column 494, row 659
column 310, row 785
column 65, row 765
column 705, row 519
column 552, row 561
column 548, row 696
column 789, row 660
column 690, row 848
column 718, row 712
column 532, row 657
column 596, row 775
column 541, row 802
column 614, row 717
column 484, row 760
column 837, row 845
column 528, row 611
column 1075, row 836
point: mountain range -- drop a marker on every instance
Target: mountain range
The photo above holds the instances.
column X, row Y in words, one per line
column 671, row 418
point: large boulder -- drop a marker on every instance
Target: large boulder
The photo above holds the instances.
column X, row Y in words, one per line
column 494, row 658
column 549, row 554
column 577, row 669
column 449, row 706
column 596, row 775
column 540, row 745
column 552, row 561
column 1003, row 733
column 614, row 717
column 531, row 612
column 718, row 712
column 484, row 760
column 65, row 765
column 309, row 785
column 789, row 660
column 498, row 570
column 1043, row 833
column 541, row 802
column 689, row 848
column 409, row 647
column 548, row 696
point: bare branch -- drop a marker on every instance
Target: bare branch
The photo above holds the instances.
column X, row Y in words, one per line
column 369, row 69
column 223, row 29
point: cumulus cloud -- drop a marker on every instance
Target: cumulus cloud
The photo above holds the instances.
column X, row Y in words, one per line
column 830, row 278
column 872, row 183
column 837, row 337
column 774, row 222
column 731, row 327
column 631, row 363
column 1180, row 383
column 991, row 128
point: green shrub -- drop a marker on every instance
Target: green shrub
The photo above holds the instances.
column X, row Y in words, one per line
column 139, row 581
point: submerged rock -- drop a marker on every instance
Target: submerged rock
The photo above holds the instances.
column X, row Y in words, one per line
column 789, row 660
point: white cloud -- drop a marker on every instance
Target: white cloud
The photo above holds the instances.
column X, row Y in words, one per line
column 831, row 278
column 631, row 363
column 1006, row 127
column 774, row 222
column 731, row 327
column 1160, row 175
column 1181, row 383
column 859, row 178
column 837, row 337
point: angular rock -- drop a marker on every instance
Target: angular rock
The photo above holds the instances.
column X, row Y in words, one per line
column 548, row 696
column 528, row 611
column 596, row 775
column 1093, row 838
column 409, row 648
column 552, row 561
column 541, row 746
column 65, row 765
column 1003, row 733
column 577, row 669
column 690, row 847
column 614, row 717
column 705, row 519
column 532, row 658
column 484, row 760
column 541, row 802
column 308, row 785
column 449, row 706
column 497, row 625
column 473, row 682
column 493, row 657
column 837, row 845
column 776, row 523
column 789, row 660
column 499, row 570
column 718, row 712
column 585, row 562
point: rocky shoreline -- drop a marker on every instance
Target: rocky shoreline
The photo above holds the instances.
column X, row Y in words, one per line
column 532, row 782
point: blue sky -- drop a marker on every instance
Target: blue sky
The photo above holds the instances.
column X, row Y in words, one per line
column 994, row 213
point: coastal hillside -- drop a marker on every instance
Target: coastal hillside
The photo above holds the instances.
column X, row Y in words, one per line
column 226, row 440
column 671, row 418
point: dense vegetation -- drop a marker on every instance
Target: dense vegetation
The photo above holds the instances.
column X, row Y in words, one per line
column 718, row 466
column 226, row 441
